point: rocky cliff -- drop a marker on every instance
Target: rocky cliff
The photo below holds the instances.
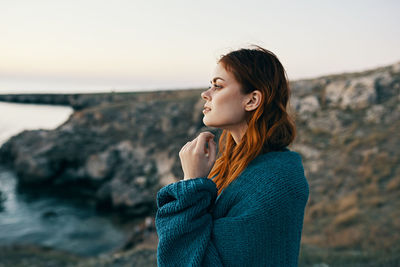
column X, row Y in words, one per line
column 117, row 153
column 120, row 152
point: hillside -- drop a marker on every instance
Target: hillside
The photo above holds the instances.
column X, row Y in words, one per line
column 348, row 135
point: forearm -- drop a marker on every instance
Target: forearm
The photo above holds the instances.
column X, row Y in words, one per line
column 183, row 222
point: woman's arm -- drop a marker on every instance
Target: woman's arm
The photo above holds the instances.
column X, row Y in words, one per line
column 184, row 223
column 263, row 230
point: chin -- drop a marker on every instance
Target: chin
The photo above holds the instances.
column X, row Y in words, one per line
column 204, row 122
column 208, row 124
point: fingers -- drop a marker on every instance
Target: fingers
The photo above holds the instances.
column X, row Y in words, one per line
column 198, row 145
column 184, row 148
column 212, row 153
column 201, row 141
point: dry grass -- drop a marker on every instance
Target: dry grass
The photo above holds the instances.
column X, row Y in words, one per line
column 375, row 138
column 393, row 184
column 347, row 217
column 375, row 201
column 365, row 172
column 349, row 148
column 382, row 236
column 315, row 211
column 348, row 201
column 346, row 237
column 384, row 163
column 371, row 189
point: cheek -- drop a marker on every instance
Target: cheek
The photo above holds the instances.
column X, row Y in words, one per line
column 229, row 108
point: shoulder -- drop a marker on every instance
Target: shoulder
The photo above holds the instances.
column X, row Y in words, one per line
column 278, row 171
column 284, row 162
column 272, row 183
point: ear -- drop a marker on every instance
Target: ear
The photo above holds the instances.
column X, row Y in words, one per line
column 252, row 100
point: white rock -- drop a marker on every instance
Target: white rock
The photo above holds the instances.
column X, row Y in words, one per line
column 334, row 92
column 314, row 165
column 307, row 151
column 165, row 163
column 359, row 94
column 309, row 104
column 328, row 123
column 396, row 67
column 96, row 166
column 374, row 114
column 140, row 180
column 294, row 103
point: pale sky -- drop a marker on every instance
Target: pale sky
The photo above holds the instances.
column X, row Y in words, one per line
column 121, row 45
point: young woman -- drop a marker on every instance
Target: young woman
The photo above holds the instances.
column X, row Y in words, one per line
column 246, row 207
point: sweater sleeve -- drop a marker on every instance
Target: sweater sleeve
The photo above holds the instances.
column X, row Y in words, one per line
column 189, row 236
column 184, row 223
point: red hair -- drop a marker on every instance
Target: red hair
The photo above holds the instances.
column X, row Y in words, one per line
column 270, row 127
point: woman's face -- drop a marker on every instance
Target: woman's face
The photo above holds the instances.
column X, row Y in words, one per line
column 225, row 104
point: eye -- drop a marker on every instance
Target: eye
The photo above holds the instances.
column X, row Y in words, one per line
column 217, row 86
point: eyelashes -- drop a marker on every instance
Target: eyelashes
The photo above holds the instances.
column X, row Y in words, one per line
column 217, row 86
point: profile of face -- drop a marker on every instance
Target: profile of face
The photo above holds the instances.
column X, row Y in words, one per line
column 226, row 106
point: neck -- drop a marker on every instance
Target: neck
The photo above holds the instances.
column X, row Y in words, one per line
column 238, row 133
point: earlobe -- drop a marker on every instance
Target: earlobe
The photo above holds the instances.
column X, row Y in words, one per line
column 253, row 101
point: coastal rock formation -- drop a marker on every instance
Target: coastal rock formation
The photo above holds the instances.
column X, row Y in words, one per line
column 27, row 255
column 118, row 154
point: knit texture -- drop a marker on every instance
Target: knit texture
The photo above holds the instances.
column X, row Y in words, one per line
column 256, row 221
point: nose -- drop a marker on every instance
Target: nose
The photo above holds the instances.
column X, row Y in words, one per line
column 206, row 95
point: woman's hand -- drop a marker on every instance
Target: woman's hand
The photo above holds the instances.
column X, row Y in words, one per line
column 196, row 159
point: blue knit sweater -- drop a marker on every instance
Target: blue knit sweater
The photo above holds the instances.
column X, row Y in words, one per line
column 256, row 221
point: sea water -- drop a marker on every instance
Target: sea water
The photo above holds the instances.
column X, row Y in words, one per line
column 29, row 218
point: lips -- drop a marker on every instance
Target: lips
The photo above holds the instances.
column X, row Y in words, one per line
column 207, row 108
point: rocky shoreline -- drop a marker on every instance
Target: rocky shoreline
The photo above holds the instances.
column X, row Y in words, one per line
column 117, row 154
column 17, row 255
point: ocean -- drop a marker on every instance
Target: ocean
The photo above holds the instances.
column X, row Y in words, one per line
column 31, row 218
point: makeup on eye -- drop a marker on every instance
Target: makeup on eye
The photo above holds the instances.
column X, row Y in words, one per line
column 218, row 86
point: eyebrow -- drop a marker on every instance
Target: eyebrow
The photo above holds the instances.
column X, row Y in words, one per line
column 216, row 78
